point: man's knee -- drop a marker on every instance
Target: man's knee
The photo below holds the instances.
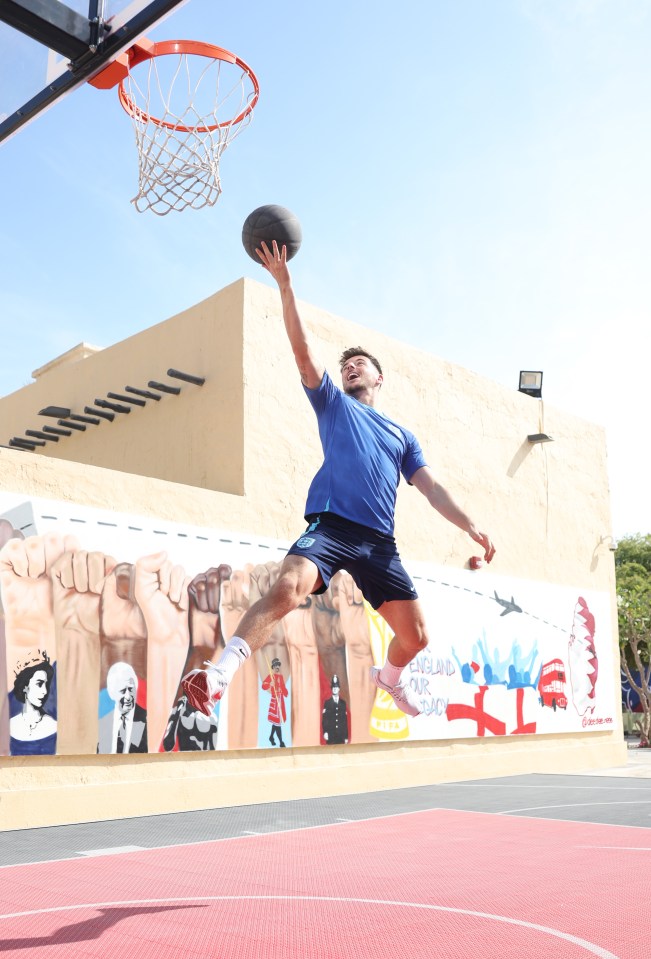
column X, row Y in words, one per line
column 407, row 621
column 291, row 590
column 419, row 638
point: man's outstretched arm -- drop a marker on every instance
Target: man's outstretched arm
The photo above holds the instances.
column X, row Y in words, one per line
column 309, row 367
column 440, row 499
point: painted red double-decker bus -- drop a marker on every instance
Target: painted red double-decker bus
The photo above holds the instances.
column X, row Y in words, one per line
column 551, row 685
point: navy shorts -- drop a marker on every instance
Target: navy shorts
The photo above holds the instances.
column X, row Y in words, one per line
column 333, row 543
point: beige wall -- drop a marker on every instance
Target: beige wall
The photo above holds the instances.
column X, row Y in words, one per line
column 252, row 405
column 176, row 438
column 239, row 452
column 547, row 506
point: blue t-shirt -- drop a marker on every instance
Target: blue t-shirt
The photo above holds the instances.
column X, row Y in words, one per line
column 364, row 454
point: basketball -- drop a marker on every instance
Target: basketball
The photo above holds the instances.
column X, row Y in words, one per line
column 271, row 223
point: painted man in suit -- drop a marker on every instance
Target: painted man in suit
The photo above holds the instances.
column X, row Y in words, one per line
column 124, row 729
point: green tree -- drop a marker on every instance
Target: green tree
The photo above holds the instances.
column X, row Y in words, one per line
column 633, row 572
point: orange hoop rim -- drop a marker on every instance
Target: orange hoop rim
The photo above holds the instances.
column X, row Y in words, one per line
column 138, row 54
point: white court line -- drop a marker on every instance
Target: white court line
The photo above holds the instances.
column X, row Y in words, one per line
column 590, row 947
column 340, row 822
column 568, row 805
column 110, row 851
column 624, row 848
column 473, row 784
column 241, row 835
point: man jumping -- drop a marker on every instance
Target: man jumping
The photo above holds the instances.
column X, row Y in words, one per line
column 350, row 515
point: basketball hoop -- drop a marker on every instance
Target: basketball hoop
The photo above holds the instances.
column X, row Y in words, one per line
column 187, row 101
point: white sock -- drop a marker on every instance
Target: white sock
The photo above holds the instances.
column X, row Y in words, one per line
column 390, row 674
column 236, row 653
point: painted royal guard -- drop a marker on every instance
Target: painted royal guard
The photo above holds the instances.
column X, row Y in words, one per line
column 277, row 714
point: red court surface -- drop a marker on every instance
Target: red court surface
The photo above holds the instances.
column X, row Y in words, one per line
column 439, row 884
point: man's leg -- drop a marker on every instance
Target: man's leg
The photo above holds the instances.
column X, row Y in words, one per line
column 407, row 621
column 297, row 578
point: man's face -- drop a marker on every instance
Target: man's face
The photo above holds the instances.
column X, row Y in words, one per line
column 127, row 697
column 359, row 374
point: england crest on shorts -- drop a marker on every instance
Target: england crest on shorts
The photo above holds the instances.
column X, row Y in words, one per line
column 305, row 542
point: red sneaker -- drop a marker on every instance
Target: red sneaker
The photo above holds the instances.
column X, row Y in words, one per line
column 204, row 687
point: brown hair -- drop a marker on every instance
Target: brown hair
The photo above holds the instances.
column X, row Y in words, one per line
column 358, row 351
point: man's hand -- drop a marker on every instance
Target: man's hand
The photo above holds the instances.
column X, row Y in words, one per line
column 77, row 582
column 8, row 532
column 122, row 630
column 484, row 541
column 25, row 569
column 161, row 592
column 275, row 261
column 205, row 593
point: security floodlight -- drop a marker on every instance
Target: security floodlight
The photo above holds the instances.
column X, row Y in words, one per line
column 531, row 382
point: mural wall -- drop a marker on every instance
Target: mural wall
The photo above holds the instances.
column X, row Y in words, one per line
column 103, row 613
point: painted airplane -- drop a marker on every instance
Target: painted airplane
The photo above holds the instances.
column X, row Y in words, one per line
column 509, row 606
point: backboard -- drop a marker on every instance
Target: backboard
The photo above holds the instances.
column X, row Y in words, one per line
column 48, row 48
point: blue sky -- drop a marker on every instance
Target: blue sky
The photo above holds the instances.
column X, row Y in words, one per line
column 472, row 177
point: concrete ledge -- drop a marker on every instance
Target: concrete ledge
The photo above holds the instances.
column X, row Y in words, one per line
column 59, row 790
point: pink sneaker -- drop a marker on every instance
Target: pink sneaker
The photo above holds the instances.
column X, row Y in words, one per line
column 204, row 687
column 403, row 695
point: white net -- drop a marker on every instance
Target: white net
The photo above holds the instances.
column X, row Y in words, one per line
column 186, row 109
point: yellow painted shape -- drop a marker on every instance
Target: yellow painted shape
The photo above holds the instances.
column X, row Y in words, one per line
column 387, row 722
